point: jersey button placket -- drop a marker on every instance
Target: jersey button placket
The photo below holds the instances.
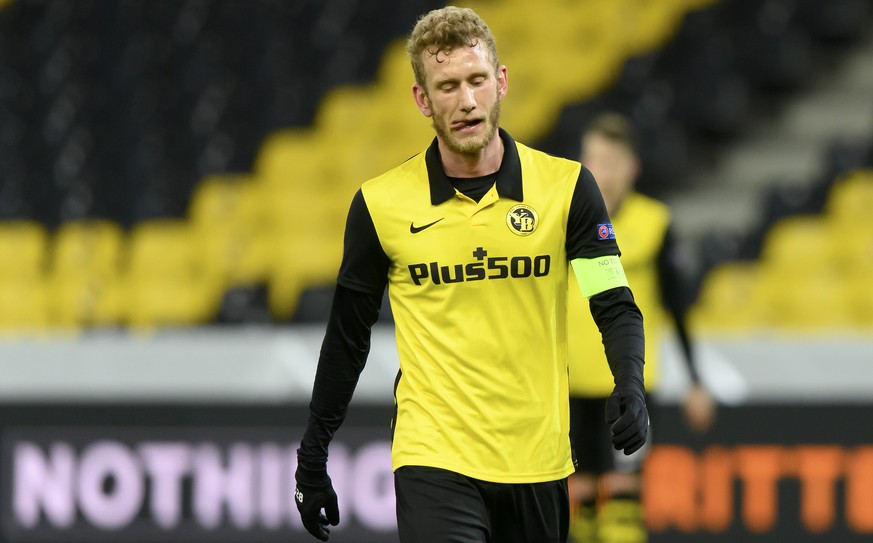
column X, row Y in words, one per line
column 479, row 218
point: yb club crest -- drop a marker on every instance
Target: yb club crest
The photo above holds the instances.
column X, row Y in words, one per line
column 522, row 220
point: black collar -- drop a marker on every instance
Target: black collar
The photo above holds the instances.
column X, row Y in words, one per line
column 508, row 176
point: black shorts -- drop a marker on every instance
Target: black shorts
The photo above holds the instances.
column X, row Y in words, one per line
column 592, row 441
column 440, row 506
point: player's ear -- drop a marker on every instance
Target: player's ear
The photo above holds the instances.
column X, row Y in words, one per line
column 421, row 100
column 502, row 82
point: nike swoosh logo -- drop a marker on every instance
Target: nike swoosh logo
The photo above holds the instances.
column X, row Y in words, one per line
column 416, row 229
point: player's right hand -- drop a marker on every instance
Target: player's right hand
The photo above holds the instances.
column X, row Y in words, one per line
column 313, row 494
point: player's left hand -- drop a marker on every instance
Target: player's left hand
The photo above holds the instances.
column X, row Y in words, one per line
column 314, row 493
column 628, row 419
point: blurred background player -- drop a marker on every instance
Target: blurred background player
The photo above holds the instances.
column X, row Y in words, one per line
column 605, row 491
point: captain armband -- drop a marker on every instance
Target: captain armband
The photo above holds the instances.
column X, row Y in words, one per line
column 596, row 275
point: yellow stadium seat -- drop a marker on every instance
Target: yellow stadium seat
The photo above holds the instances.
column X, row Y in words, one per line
column 851, row 199
column 395, row 131
column 160, row 302
column 859, row 247
column 728, row 299
column 803, row 298
column 300, row 261
column 395, row 70
column 230, row 227
column 23, row 249
column 315, row 256
column 807, row 240
column 87, row 248
column 168, row 282
column 163, row 248
column 225, row 201
column 284, row 292
column 305, row 208
column 82, row 301
column 24, row 304
column 305, row 172
column 239, row 256
column 859, row 297
column 347, row 106
column 85, row 270
column 294, row 156
column 849, row 208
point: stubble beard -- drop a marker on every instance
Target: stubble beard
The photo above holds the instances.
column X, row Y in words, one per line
column 469, row 146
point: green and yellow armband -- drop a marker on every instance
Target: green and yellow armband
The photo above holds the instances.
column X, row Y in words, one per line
column 596, row 275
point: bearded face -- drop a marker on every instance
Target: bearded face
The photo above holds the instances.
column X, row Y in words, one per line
column 463, row 97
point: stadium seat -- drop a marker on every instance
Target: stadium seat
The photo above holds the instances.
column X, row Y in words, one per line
column 238, row 256
column 856, row 247
column 802, row 241
column 849, row 209
column 167, row 281
column 859, row 296
column 225, row 201
column 851, row 198
column 24, row 304
column 87, row 248
column 154, row 302
column 23, row 249
column 728, row 299
column 347, row 106
column 304, row 207
column 797, row 297
column 231, row 230
column 289, row 156
column 163, row 248
column 284, row 291
column 84, row 276
column 301, row 262
column 85, row 301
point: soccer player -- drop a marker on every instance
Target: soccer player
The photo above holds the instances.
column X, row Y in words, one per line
column 606, row 489
column 474, row 238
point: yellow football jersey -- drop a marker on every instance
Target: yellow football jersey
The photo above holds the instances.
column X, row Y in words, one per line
column 478, row 291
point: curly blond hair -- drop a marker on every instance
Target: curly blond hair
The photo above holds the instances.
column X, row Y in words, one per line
column 446, row 29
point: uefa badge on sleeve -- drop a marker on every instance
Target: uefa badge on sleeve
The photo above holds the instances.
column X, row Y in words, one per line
column 605, row 231
column 522, row 220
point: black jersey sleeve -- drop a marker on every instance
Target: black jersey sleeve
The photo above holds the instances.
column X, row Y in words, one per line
column 587, row 214
column 355, row 308
column 621, row 326
column 343, row 356
column 365, row 265
column 674, row 296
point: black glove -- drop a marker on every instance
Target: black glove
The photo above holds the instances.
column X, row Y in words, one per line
column 315, row 492
column 628, row 419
